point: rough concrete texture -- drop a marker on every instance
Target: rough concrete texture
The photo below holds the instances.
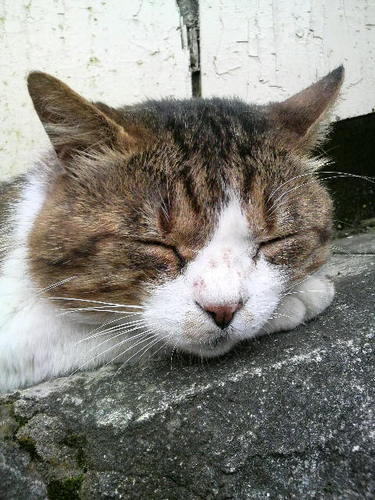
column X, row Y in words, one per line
column 361, row 244
column 290, row 415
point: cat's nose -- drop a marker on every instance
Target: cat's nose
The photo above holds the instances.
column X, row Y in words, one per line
column 221, row 314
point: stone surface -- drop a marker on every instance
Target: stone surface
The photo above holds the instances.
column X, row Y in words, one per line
column 360, row 244
column 290, row 415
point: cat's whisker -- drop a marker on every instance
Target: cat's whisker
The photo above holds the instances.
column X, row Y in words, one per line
column 113, row 329
column 163, row 345
column 308, row 174
column 154, row 339
column 102, row 309
column 317, row 175
column 145, row 348
column 141, row 334
column 111, row 304
column 347, row 174
column 101, row 328
column 163, row 205
column 277, row 205
column 114, row 346
column 103, row 325
column 121, row 334
column 93, row 309
column 110, row 339
column 338, row 176
column 301, row 291
column 148, row 335
column 56, row 285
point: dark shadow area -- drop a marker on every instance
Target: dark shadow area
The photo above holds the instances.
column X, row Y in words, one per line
column 352, row 149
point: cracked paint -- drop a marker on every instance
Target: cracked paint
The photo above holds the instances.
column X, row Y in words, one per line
column 266, row 51
column 118, row 54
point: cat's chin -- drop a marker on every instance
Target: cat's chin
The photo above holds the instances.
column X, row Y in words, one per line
column 211, row 349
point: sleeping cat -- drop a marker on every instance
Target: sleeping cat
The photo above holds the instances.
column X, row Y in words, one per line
column 189, row 224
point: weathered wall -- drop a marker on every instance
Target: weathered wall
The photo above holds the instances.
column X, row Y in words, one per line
column 265, row 50
column 117, row 51
column 122, row 51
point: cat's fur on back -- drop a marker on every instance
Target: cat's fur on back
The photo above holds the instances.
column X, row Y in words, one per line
column 168, row 223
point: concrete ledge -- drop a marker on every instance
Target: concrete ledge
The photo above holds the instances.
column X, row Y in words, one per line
column 285, row 416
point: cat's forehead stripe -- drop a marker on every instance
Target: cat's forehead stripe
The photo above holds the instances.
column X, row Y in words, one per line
column 232, row 222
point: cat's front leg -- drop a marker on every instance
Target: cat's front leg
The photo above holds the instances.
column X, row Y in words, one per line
column 301, row 304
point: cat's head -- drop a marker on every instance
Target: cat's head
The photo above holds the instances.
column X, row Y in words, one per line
column 202, row 212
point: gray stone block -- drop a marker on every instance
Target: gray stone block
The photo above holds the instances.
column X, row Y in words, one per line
column 359, row 244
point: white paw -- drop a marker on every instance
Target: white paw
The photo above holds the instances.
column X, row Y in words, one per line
column 302, row 303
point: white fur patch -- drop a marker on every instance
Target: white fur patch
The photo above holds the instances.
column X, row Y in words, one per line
column 303, row 303
column 224, row 272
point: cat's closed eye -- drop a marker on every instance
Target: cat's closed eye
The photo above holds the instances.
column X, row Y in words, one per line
column 160, row 244
column 267, row 243
column 277, row 239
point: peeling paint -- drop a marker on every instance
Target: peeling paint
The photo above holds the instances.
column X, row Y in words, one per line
column 96, row 48
column 265, row 51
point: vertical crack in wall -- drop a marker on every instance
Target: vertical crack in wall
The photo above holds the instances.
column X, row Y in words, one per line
column 189, row 12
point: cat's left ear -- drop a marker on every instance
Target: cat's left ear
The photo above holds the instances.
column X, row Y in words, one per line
column 300, row 121
column 73, row 123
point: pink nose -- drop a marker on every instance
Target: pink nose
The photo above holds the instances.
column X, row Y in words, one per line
column 221, row 314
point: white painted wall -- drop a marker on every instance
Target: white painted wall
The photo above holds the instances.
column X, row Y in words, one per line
column 121, row 51
column 263, row 50
column 118, row 51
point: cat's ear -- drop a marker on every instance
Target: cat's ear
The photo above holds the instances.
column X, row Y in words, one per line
column 300, row 121
column 72, row 123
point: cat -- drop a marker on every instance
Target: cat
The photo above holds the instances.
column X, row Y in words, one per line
column 183, row 224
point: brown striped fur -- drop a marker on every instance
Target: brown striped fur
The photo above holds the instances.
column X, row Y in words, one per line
column 134, row 193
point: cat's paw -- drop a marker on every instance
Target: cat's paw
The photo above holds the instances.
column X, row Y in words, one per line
column 304, row 302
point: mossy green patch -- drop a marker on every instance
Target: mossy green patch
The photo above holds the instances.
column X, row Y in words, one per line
column 65, row 489
column 28, row 444
column 20, row 420
column 77, row 441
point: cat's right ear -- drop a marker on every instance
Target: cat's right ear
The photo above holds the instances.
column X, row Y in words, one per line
column 301, row 120
column 72, row 123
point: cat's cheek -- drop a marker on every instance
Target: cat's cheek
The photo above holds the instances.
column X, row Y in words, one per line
column 265, row 288
column 209, row 351
column 166, row 308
